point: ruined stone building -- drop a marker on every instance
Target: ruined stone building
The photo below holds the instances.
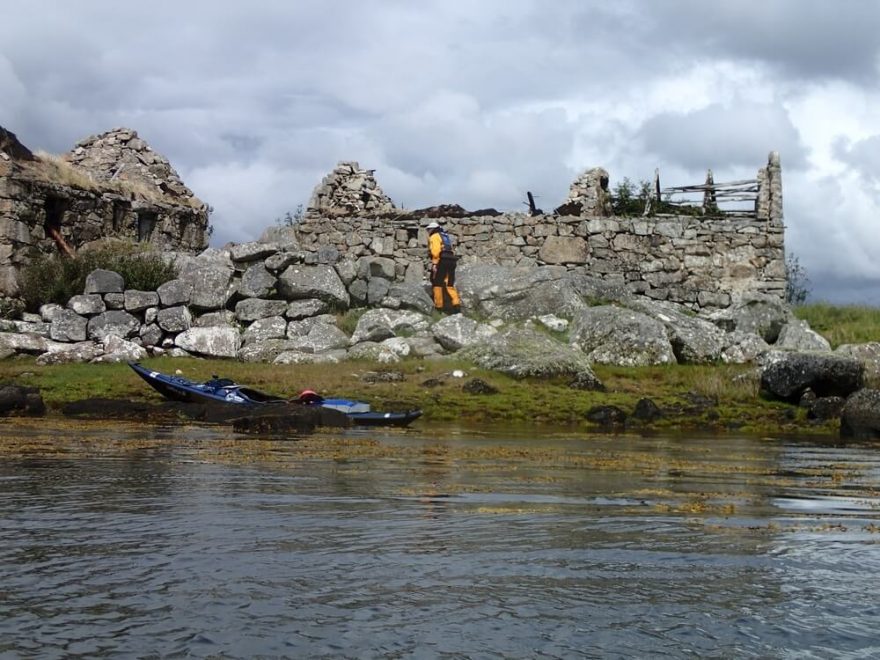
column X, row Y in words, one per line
column 109, row 185
column 704, row 261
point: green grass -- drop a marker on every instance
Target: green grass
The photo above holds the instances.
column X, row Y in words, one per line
column 546, row 402
column 842, row 324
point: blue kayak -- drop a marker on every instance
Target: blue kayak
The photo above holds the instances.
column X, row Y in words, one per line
column 223, row 390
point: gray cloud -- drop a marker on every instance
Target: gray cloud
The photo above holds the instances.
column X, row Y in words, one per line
column 473, row 103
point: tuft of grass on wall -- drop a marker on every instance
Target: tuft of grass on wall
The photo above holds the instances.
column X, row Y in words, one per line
column 842, row 324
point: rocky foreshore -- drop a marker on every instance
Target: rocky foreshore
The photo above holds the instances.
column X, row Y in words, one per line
column 263, row 302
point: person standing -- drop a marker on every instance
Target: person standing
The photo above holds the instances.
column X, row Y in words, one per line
column 443, row 261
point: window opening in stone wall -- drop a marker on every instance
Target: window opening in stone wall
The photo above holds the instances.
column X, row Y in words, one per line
column 146, row 223
column 55, row 208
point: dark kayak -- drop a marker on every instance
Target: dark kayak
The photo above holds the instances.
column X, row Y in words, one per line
column 223, row 390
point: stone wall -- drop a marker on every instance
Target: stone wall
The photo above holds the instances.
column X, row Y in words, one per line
column 84, row 196
column 695, row 261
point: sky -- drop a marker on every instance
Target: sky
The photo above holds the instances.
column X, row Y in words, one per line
column 473, row 102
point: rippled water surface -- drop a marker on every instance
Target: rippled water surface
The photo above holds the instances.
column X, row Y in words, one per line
column 145, row 542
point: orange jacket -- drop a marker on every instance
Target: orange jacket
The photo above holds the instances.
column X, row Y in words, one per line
column 435, row 247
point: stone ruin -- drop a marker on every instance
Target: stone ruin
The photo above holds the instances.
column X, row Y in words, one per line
column 120, row 155
column 349, row 190
column 588, row 195
column 109, row 186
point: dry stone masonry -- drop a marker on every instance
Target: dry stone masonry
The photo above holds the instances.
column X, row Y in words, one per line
column 110, row 185
column 348, row 190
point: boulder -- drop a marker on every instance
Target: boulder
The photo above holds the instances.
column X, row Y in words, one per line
column 151, row 335
column 13, row 342
column 796, row 335
column 215, row 319
column 321, row 337
column 868, row 354
column 377, row 290
column 764, row 317
column 378, row 324
column 84, row 351
column 457, row 331
column 694, row 340
column 373, row 352
column 174, row 319
column 786, row 376
column 113, row 322
column 272, row 327
column 175, row 292
column 257, row 282
column 214, row 341
column 263, row 351
column 49, row 310
column 518, row 293
column 303, row 309
column 211, row 286
column 524, row 352
column 67, row 325
column 252, row 309
column 138, row 301
column 613, row 335
column 299, row 357
column 564, row 250
column 117, row 349
column 20, row 400
column 371, row 267
column 114, row 300
column 826, row 407
column 104, row 281
column 321, row 282
column 253, row 251
column 87, row 305
column 410, row 296
column 861, row 415
column 743, row 347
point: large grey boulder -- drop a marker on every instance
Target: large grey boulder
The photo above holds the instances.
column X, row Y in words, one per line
column 117, row 349
column 49, row 311
column 564, row 250
column 378, row 324
column 255, row 251
column 868, row 354
column 151, row 335
column 457, row 331
column 272, row 327
column 381, row 267
column 320, row 337
column 113, row 322
column 252, row 309
column 409, row 296
column 613, row 335
column 373, row 352
column 321, row 281
column 12, row 342
column 137, row 301
column 175, row 292
column 87, row 305
column 211, row 286
column 256, row 282
column 300, row 357
column 84, row 351
column 67, row 325
column 694, row 340
column 215, row 319
column 214, row 341
column 263, row 351
column 174, row 319
column 796, row 335
column 764, row 317
column 786, row 376
column 104, row 281
column 861, row 415
column 525, row 352
column 303, row 309
column 743, row 348
column 517, row 293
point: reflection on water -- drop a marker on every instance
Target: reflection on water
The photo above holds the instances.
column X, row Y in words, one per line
column 194, row 542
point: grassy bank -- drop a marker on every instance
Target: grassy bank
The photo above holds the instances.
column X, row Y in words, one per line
column 712, row 398
column 842, row 324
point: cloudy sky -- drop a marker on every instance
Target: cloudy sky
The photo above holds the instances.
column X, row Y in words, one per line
column 473, row 101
